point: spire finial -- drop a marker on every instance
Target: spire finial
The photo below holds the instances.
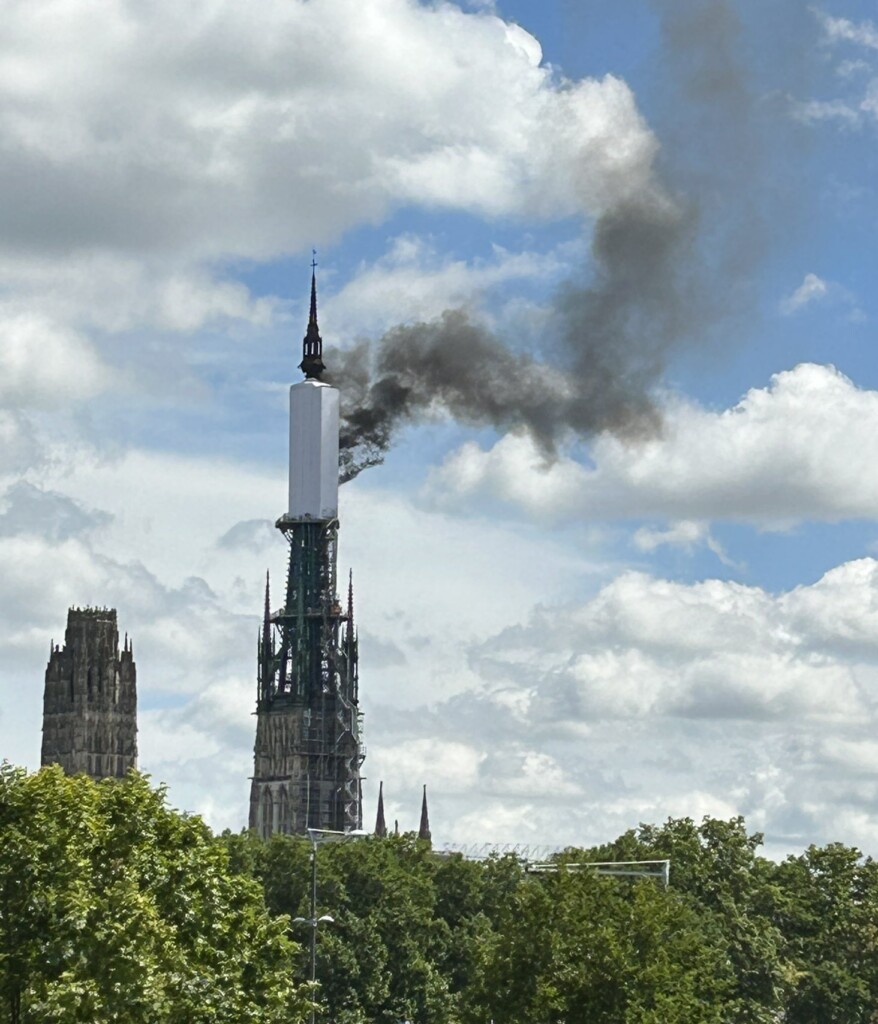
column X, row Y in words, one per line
column 351, row 601
column 312, row 316
column 312, row 346
column 380, row 824
column 424, row 830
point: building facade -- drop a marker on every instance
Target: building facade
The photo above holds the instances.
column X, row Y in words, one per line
column 90, row 698
column 307, row 755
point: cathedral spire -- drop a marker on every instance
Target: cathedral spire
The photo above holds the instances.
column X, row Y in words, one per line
column 424, row 830
column 380, row 823
column 350, row 602
column 312, row 364
column 266, row 620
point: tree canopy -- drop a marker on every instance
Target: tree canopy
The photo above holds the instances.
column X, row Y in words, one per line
column 115, row 908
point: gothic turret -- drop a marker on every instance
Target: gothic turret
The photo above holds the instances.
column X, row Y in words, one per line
column 90, row 698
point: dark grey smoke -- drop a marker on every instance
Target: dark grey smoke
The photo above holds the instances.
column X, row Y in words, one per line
column 604, row 351
column 661, row 272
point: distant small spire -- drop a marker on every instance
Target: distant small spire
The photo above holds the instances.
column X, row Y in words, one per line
column 424, row 830
column 350, row 602
column 380, row 824
column 266, row 620
column 396, row 826
column 312, row 364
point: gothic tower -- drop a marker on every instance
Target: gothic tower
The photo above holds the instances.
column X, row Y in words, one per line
column 307, row 756
column 90, row 698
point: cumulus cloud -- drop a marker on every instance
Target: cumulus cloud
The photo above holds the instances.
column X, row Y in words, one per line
column 657, row 698
column 254, row 136
column 115, row 292
column 649, row 698
column 44, row 364
column 647, row 647
column 795, row 450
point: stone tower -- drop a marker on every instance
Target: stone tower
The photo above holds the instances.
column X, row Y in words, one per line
column 90, row 699
column 307, row 756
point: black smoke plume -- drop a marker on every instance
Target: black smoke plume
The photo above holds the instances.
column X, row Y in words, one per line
column 604, row 349
column 662, row 270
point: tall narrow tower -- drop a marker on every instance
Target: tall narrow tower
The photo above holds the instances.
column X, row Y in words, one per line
column 307, row 756
column 90, row 699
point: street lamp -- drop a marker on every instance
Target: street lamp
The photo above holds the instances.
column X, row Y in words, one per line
column 317, row 836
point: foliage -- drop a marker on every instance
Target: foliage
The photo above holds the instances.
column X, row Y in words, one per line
column 115, row 908
column 828, row 915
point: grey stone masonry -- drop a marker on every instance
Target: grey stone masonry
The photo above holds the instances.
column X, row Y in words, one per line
column 90, row 698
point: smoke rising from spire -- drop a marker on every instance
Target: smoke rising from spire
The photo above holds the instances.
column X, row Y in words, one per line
column 663, row 271
column 604, row 349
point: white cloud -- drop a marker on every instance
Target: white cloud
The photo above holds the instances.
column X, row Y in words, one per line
column 119, row 292
column 650, row 698
column 850, row 111
column 43, row 364
column 246, row 135
column 19, row 445
column 812, row 289
column 646, row 647
column 686, row 534
column 416, row 761
column 657, row 698
column 414, row 281
column 796, row 450
column 849, row 68
column 837, row 30
column 183, row 558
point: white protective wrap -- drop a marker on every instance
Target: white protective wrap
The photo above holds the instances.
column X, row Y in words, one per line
column 313, row 450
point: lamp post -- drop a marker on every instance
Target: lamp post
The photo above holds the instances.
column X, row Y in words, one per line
column 317, row 836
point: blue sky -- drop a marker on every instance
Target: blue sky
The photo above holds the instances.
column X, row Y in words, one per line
column 677, row 624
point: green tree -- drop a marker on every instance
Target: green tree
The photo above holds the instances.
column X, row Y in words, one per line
column 716, row 866
column 829, row 917
column 115, row 908
column 575, row 948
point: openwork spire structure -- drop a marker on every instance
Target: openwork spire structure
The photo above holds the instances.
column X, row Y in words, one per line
column 312, row 345
column 308, row 754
